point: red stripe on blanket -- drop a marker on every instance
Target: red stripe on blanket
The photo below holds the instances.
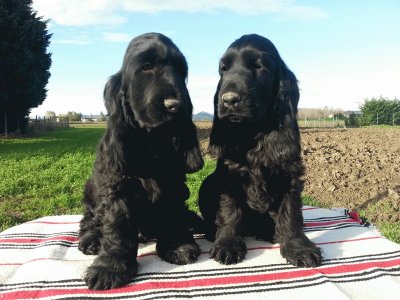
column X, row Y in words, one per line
column 314, row 224
column 38, row 240
column 215, row 281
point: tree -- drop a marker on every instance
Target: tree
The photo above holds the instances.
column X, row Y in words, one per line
column 50, row 114
column 24, row 63
column 379, row 111
column 74, row 116
column 102, row 117
column 352, row 121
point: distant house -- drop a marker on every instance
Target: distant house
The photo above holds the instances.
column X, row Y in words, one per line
column 91, row 118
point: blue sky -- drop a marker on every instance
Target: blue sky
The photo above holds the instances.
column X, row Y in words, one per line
column 342, row 52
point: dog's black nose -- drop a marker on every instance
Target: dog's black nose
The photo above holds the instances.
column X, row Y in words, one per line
column 171, row 105
column 230, row 99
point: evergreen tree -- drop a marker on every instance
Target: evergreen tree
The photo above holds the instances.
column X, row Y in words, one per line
column 379, row 111
column 24, row 62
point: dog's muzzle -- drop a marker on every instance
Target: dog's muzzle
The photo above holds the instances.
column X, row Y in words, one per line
column 230, row 99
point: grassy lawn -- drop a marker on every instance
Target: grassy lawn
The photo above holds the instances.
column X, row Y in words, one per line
column 45, row 176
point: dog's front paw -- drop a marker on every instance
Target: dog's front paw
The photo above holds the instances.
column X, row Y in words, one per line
column 89, row 245
column 229, row 251
column 301, row 253
column 103, row 277
column 179, row 255
column 194, row 160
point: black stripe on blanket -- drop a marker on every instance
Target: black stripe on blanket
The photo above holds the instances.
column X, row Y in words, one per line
column 39, row 245
column 321, row 219
column 331, row 227
column 38, row 235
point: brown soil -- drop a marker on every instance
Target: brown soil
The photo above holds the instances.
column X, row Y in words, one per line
column 356, row 168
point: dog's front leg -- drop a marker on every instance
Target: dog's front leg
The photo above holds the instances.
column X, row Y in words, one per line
column 295, row 245
column 175, row 243
column 229, row 247
column 89, row 234
column 116, row 263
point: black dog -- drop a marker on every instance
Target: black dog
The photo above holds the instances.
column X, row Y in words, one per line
column 138, row 181
column 256, row 187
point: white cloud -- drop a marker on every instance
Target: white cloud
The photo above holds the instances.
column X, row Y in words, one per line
column 305, row 13
column 116, row 37
column 111, row 12
column 79, row 13
column 251, row 7
column 78, row 42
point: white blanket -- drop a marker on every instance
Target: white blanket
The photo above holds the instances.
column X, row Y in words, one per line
column 40, row 259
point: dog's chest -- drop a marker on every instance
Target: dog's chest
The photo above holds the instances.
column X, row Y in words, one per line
column 165, row 189
column 162, row 155
column 152, row 189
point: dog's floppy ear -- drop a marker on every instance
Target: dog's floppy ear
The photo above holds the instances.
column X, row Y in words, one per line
column 188, row 107
column 115, row 100
column 287, row 98
column 217, row 134
column 187, row 141
column 189, row 146
column 113, row 94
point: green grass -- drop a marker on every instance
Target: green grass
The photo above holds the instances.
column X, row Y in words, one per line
column 390, row 230
column 310, row 201
column 194, row 181
column 45, row 176
column 383, row 211
column 88, row 125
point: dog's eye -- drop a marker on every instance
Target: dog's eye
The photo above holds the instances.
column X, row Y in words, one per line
column 223, row 67
column 256, row 65
column 147, row 66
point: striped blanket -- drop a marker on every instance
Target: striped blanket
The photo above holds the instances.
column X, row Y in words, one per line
column 40, row 259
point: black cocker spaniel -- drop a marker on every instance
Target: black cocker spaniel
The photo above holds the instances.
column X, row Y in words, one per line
column 256, row 187
column 138, row 181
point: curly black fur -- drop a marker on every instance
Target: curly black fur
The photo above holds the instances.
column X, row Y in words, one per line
column 256, row 187
column 138, row 182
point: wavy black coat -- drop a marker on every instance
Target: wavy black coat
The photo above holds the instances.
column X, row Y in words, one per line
column 138, row 183
column 256, row 187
